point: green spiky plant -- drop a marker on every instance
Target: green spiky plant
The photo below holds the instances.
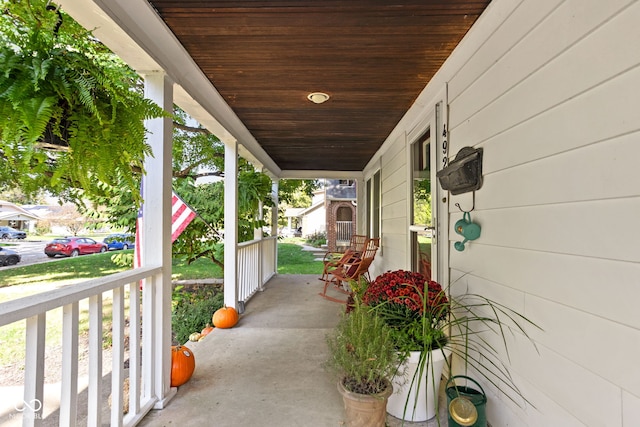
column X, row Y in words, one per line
column 362, row 351
column 436, row 320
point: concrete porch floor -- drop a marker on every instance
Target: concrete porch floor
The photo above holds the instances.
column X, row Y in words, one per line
column 268, row 370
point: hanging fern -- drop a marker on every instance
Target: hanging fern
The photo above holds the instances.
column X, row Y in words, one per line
column 71, row 113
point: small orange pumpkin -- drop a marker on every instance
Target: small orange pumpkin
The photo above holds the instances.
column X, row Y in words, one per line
column 183, row 363
column 225, row 317
column 206, row 331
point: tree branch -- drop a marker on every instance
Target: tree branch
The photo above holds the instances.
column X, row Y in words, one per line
column 191, row 129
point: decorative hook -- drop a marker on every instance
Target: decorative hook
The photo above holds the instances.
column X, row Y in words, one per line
column 472, row 208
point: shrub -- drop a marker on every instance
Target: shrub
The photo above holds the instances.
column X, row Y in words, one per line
column 317, row 239
column 192, row 309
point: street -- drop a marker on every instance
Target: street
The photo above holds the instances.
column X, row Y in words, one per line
column 31, row 251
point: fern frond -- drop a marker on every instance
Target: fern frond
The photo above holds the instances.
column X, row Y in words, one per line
column 36, row 117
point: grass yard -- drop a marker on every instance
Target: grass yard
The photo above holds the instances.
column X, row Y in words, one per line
column 293, row 260
column 66, row 271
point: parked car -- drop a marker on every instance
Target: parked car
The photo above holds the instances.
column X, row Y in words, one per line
column 9, row 257
column 120, row 241
column 74, row 246
column 7, row 232
column 291, row 232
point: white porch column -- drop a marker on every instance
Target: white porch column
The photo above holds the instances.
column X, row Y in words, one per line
column 231, row 224
column 274, row 215
column 274, row 218
column 257, row 232
column 157, row 233
column 361, row 205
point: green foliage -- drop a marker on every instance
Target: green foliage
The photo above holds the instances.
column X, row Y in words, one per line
column 17, row 196
column 362, row 351
column 422, row 202
column 411, row 331
column 42, row 228
column 71, row 113
column 196, row 152
column 71, row 122
column 317, row 239
column 296, row 192
column 202, row 238
column 192, row 309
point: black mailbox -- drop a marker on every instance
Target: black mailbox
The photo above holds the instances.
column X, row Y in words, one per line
column 464, row 173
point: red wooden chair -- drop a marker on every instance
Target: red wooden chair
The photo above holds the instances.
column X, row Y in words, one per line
column 332, row 259
column 352, row 268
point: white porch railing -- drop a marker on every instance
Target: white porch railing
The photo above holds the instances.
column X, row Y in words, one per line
column 139, row 317
column 256, row 265
column 344, row 230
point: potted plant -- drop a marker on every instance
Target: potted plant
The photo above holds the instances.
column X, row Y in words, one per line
column 428, row 325
column 363, row 354
column 418, row 321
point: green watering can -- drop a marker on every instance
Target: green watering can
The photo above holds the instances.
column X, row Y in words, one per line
column 467, row 229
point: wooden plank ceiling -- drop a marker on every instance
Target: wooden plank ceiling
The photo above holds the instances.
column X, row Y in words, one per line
column 372, row 58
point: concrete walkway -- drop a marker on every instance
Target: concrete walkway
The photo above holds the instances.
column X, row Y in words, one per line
column 268, row 370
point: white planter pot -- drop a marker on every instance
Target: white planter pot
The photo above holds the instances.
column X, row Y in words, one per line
column 424, row 408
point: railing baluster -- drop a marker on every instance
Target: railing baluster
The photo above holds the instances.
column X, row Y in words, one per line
column 69, row 387
column 148, row 349
column 94, row 414
column 34, row 371
column 117, row 356
column 134, row 348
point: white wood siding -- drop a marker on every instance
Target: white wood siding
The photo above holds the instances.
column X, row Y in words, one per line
column 551, row 90
column 393, row 207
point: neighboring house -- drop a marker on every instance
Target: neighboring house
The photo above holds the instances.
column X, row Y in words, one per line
column 332, row 210
column 293, row 216
column 60, row 219
column 17, row 217
column 340, row 211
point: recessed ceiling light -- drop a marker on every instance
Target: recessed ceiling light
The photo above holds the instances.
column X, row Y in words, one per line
column 318, row 97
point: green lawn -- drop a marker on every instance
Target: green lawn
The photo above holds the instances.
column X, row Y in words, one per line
column 293, row 260
column 63, row 270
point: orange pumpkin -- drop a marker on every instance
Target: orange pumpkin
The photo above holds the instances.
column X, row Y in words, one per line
column 206, row 330
column 224, row 318
column 183, row 363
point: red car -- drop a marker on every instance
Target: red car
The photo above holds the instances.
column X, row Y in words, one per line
column 74, row 246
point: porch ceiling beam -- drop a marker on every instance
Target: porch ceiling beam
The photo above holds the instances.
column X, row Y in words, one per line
column 305, row 174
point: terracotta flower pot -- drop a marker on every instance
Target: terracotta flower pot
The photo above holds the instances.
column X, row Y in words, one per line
column 365, row 410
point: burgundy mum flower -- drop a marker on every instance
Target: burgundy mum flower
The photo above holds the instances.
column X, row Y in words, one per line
column 408, row 288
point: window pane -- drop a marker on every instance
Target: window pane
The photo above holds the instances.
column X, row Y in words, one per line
column 421, row 182
column 375, row 220
column 421, row 203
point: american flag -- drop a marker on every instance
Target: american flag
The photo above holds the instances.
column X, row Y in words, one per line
column 137, row 249
column 181, row 216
